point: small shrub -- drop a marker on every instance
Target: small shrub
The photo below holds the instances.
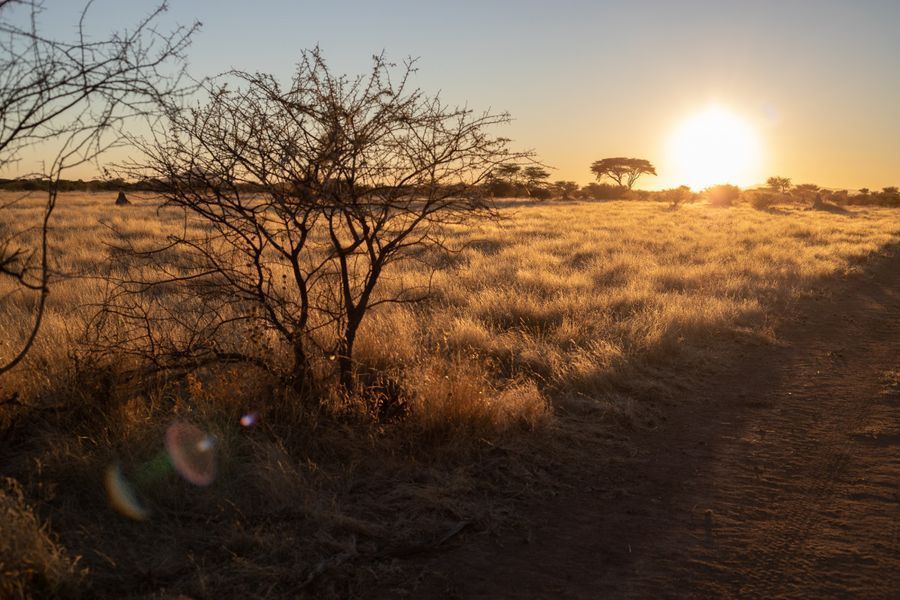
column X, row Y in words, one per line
column 723, row 195
column 457, row 398
column 501, row 188
column 678, row 196
column 889, row 196
column 762, row 200
column 540, row 193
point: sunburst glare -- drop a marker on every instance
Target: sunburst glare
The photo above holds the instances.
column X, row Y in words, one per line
column 714, row 146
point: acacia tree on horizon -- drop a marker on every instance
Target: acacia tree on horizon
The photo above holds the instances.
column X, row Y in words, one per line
column 779, row 184
column 535, row 179
column 624, row 171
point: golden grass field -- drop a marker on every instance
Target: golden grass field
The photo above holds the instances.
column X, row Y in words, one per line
column 565, row 321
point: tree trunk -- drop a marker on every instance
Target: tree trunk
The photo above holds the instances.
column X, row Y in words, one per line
column 300, row 369
column 345, row 353
column 345, row 360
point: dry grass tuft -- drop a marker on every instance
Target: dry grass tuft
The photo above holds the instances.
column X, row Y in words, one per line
column 457, row 398
column 32, row 561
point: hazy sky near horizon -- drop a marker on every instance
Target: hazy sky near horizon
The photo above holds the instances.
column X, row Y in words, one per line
column 818, row 80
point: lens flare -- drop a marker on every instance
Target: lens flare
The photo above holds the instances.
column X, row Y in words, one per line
column 250, row 419
column 122, row 496
column 192, row 453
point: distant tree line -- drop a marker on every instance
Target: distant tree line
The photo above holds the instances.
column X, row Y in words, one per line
column 117, row 184
column 617, row 176
column 77, row 185
column 782, row 190
column 516, row 181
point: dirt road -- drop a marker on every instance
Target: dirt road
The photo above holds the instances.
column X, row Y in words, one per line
column 782, row 479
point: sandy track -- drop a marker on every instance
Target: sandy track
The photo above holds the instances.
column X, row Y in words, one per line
column 781, row 480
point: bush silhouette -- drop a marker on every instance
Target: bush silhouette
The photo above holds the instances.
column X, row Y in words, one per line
column 762, row 200
column 723, row 195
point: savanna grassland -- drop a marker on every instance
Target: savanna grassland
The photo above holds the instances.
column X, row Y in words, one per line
column 548, row 336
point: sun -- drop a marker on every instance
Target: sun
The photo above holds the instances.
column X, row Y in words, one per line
column 714, row 146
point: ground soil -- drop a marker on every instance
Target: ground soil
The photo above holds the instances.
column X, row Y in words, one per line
column 779, row 478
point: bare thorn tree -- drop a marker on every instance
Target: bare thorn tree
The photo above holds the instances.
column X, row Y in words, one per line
column 70, row 100
column 306, row 195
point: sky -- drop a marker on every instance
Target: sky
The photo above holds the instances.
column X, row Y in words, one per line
column 817, row 81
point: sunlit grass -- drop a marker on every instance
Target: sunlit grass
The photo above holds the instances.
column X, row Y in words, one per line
column 570, row 296
column 564, row 321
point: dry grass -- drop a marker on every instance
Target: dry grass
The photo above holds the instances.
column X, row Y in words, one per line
column 31, row 560
column 562, row 324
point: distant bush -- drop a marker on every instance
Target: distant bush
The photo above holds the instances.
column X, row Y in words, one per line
column 603, row 191
column 839, row 197
column 540, row 193
column 808, row 193
column 512, row 181
column 889, row 196
column 761, row 199
column 638, row 195
column 723, row 195
column 677, row 196
column 565, row 190
column 863, row 198
column 502, row 188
